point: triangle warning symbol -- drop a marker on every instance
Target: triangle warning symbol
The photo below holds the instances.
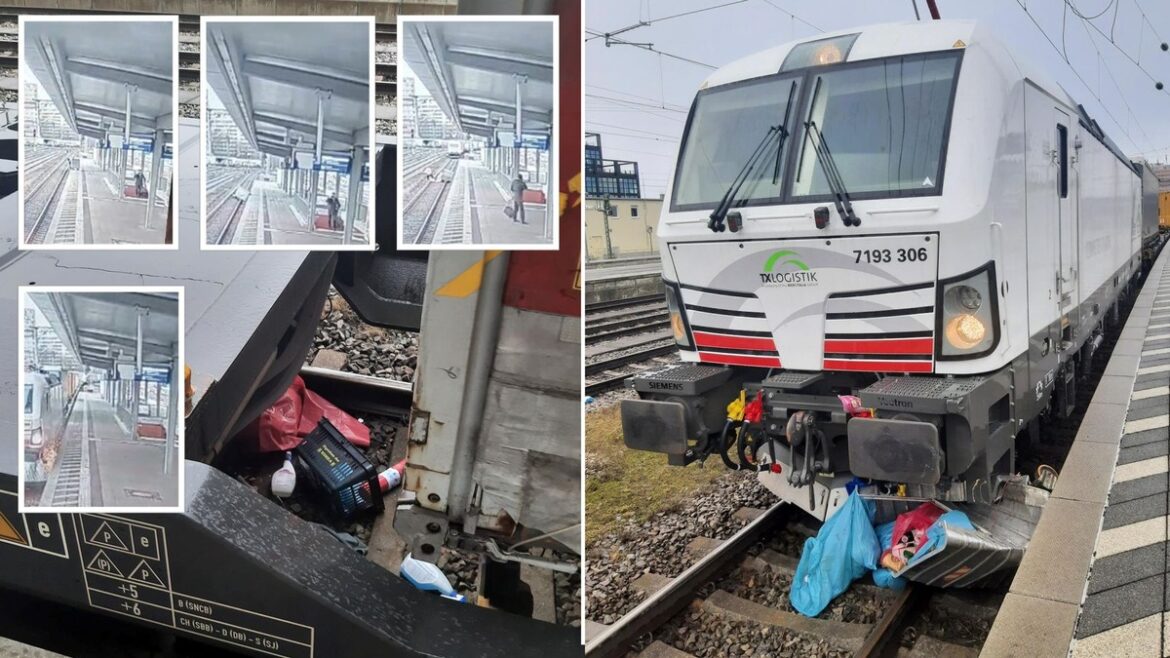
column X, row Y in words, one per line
column 105, row 536
column 102, row 563
column 8, row 532
column 144, row 574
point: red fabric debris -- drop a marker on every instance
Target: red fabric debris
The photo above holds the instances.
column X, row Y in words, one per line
column 909, row 535
column 296, row 413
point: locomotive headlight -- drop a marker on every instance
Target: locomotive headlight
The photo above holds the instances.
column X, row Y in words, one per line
column 678, row 322
column 35, row 439
column 965, row 331
column 969, row 317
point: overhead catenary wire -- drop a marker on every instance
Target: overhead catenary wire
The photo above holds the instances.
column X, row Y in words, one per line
column 679, row 106
column 1076, row 73
column 1135, row 61
column 796, row 17
column 1097, row 15
column 1121, row 94
column 631, row 103
column 610, row 40
column 651, row 21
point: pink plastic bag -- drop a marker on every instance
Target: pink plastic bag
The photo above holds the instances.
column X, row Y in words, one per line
column 284, row 425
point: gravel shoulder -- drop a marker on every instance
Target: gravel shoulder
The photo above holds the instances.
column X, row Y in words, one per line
column 624, row 486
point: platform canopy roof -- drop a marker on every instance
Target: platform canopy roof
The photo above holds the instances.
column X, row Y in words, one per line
column 100, row 328
column 86, row 67
column 267, row 76
column 470, row 69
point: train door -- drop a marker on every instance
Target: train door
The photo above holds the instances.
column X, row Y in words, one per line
column 1043, row 241
column 1066, row 213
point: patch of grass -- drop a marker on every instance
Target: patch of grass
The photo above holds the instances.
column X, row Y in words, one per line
column 623, row 485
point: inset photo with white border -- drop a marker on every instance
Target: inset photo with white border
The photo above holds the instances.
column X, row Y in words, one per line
column 287, row 133
column 99, row 101
column 477, row 128
column 101, row 391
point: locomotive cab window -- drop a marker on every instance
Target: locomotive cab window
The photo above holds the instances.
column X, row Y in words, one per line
column 725, row 129
column 885, row 123
column 1062, row 151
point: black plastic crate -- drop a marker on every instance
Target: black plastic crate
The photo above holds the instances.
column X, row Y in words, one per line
column 340, row 471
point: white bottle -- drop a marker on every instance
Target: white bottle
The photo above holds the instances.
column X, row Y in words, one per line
column 284, row 480
column 428, row 578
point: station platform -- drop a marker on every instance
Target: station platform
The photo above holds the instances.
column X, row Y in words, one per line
column 1094, row 580
column 109, row 218
column 272, row 216
column 115, row 468
column 474, row 212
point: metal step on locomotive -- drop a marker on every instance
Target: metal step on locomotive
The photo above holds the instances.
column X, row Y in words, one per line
column 887, row 253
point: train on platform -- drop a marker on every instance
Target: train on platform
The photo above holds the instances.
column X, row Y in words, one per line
column 47, row 398
column 888, row 254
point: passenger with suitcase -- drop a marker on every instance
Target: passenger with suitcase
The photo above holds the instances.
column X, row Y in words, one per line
column 518, row 187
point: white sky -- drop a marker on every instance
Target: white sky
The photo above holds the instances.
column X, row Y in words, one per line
column 638, row 100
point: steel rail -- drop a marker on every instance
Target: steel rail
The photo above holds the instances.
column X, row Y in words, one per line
column 626, row 359
column 621, row 303
column 660, row 606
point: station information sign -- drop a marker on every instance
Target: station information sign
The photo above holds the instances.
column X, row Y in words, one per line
column 160, row 375
column 144, row 144
column 529, row 141
column 340, row 165
column 168, row 151
column 538, row 141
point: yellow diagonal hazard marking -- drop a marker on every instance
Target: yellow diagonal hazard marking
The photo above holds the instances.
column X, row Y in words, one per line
column 8, row 531
column 467, row 281
column 575, row 190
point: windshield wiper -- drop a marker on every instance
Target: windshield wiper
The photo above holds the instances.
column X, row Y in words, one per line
column 832, row 177
column 780, row 133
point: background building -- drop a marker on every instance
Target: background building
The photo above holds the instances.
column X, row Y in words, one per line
column 226, row 140
column 621, row 228
column 616, row 179
column 44, row 122
column 618, row 222
column 422, row 118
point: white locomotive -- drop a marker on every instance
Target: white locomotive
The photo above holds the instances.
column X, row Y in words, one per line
column 907, row 214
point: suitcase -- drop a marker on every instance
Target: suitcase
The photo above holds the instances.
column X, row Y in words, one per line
column 510, row 212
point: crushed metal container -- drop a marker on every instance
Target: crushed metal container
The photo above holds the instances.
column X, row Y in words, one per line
column 986, row 557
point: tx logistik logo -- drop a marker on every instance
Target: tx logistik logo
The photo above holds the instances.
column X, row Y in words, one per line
column 792, row 270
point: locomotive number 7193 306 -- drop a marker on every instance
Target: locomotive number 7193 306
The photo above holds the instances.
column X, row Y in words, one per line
column 900, row 255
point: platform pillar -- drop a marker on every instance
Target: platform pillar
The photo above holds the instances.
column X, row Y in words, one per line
column 155, row 169
column 172, row 411
column 354, row 204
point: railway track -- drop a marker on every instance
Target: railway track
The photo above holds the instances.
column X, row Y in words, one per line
column 421, row 212
column 224, row 209
column 624, row 318
column 618, row 328
column 65, row 486
column 664, row 613
column 42, row 200
column 612, row 304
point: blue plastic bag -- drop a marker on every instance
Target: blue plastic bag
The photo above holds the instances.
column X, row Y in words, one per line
column 883, row 577
column 936, row 533
column 844, row 550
